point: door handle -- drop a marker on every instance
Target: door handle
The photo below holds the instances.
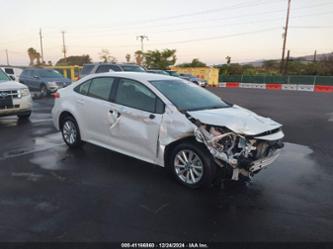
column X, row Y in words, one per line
column 114, row 111
column 151, row 116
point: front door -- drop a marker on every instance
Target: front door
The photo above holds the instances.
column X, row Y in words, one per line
column 137, row 114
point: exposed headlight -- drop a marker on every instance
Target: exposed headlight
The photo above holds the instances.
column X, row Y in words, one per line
column 23, row 92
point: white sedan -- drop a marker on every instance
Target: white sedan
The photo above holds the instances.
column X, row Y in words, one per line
column 166, row 121
column 15, row 98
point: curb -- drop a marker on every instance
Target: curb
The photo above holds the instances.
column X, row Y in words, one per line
column 279, row 87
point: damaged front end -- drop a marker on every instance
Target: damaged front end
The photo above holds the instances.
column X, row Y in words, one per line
column 245, row 154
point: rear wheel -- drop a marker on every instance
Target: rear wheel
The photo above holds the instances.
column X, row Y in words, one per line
column 192, row 165
column 70, row 132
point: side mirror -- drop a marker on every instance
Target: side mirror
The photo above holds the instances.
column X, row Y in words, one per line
column 36, row 77
column 12, row 77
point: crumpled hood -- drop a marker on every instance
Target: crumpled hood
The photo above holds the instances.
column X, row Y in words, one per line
column 237, row 119
column 11, row 85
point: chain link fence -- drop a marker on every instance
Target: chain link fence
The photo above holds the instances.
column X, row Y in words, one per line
column 291, row 79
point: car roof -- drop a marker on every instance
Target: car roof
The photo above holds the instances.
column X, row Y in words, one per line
column 115, row 64
column 136, row 76
column 38, row 68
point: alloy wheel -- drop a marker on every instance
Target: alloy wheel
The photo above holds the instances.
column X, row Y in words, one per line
column 188, row 166
column 70, row 132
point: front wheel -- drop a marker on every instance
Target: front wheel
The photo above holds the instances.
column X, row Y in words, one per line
column 24, row 115
column 70, row 132
column 192, row 165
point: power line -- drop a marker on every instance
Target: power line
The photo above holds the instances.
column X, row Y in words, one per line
column 199, row 39
column 310, row 27
column 132, row 27
column 220, row 37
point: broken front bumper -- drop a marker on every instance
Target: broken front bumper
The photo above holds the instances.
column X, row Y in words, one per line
column 264, row 162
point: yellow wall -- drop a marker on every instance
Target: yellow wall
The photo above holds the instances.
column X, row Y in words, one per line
column 207, row 73
column 70, row 72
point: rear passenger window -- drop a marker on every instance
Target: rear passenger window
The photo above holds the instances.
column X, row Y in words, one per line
column 83, row 88
column 104, row 69
column 9, row 70
column 101, row 88
column 115, row 68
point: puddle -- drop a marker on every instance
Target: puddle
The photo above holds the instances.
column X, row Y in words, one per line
column 29, row 176
column 40, row 144
column 55, row 160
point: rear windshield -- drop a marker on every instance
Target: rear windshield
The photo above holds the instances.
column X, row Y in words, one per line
column 130, row 68
column 188, row 96
column 86, row 69
column 49, row 73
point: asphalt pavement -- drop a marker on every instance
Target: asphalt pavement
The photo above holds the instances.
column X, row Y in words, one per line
column 51, row 193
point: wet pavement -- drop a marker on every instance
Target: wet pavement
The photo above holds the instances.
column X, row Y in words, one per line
column 51, row 193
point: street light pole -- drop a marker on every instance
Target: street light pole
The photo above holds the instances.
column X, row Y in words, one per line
column 141, row 38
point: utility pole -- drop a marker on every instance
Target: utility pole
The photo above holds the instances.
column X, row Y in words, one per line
column 285, row 36
column 7, row 57
column 141, row 38
column 63, row 44
column 41, row 44
column 286, row 63
column 315, row 56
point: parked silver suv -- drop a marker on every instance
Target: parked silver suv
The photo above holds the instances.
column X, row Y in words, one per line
column 109, row 67
column 15, row 98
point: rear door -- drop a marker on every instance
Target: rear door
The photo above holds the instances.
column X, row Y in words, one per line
column 35, row 80
column 93, row 105
column 137, row 112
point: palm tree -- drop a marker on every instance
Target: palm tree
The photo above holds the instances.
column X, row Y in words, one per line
column 32, row 55
column 139, row 56
column 128, row 58
column 38, row 58
column 106, row 56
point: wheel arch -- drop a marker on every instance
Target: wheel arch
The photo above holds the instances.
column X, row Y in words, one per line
column 169, row 148
column 66, row 113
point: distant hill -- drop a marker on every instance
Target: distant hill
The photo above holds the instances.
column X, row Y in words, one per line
column 320, row 57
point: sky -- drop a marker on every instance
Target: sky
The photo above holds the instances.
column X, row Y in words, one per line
column 246, row 30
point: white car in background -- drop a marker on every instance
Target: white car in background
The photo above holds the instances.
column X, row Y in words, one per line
column 167, row 121
column 13, row 72
column 15, row 98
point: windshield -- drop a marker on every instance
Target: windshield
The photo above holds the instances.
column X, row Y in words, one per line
column 49, row 73
column 133, row 69
column 3, row 76
column 187, row 96
column 173, row 73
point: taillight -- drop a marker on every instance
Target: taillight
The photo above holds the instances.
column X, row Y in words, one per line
column 56, row 95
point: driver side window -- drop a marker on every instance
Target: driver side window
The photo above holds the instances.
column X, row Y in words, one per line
column 135, row 95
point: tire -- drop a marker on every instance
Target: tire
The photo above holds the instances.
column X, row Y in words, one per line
column 24, row 115
column 70, row 132
column 43, row 90
column 199, row 171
